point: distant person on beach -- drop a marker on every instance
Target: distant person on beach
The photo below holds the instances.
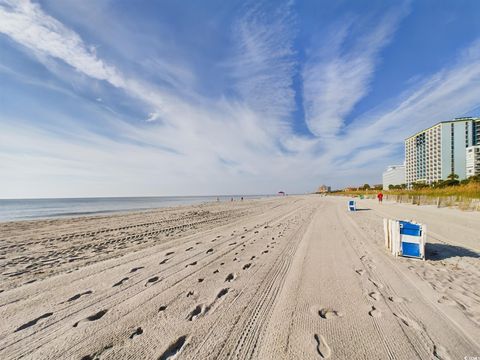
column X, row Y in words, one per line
column 241, row 198
column 380, row 197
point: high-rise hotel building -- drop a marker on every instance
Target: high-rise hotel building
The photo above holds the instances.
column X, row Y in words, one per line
column 440, row 150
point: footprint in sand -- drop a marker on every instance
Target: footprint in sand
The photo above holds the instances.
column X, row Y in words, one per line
column 440, row 353
column 120, row 282
column 200, row 280
column 230, row 277
column 409, row 322
column 170, row 253
column 164, row 261
column 33, row 322
column 174, row 349
column 191, row 264
column 246, row 266
column 137, row 332
column 196, row 313
column 135, row 269
column 322, row 347
column 446, row 300
column 209, row 251
column 328, row 313
column 222, row 293
column 375, row 312
column 377, row 284
column 151, row 280
column 216, row 271
column 360, row 272
column 396, row 299
column 375, row 295
column 162, row 308
column 77, row 296
column 93, row 317
column 190, row 248
column 97, row 355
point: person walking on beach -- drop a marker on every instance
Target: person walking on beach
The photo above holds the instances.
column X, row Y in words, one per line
column 380, row 197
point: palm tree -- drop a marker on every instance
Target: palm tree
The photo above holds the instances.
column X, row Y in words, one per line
column 452, row 180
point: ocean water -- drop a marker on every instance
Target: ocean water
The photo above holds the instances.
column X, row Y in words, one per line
column 31, row 209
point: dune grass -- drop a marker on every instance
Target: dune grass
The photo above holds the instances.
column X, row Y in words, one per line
column 470, row 190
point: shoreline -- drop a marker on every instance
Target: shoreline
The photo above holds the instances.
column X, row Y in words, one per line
column 150, row 203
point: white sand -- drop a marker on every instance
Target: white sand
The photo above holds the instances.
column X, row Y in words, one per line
column 284, row 278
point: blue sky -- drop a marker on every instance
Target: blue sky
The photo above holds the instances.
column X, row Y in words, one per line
column 132, row 98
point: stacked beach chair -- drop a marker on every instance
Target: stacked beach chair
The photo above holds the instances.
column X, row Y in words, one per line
column 405, row 238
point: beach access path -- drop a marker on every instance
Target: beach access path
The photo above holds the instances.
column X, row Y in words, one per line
column 295, row 277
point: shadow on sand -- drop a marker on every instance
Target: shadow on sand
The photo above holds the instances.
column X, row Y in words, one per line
column 363, row 209
column 440, row 251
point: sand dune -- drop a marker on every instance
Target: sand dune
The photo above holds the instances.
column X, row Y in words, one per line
column 284, row 278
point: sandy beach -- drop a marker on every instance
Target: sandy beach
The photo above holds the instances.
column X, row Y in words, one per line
column 281, row 278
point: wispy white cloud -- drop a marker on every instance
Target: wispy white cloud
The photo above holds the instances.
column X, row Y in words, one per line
column 27, row 23
column 450, row 92
column 335, row 79
column 263, row 62
column 177, row 75
column 47, row 38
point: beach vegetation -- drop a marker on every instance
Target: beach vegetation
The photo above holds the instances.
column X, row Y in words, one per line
column 452, row 186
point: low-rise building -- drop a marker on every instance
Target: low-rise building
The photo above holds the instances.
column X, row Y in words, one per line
column 394, row 175
column 324, row 189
